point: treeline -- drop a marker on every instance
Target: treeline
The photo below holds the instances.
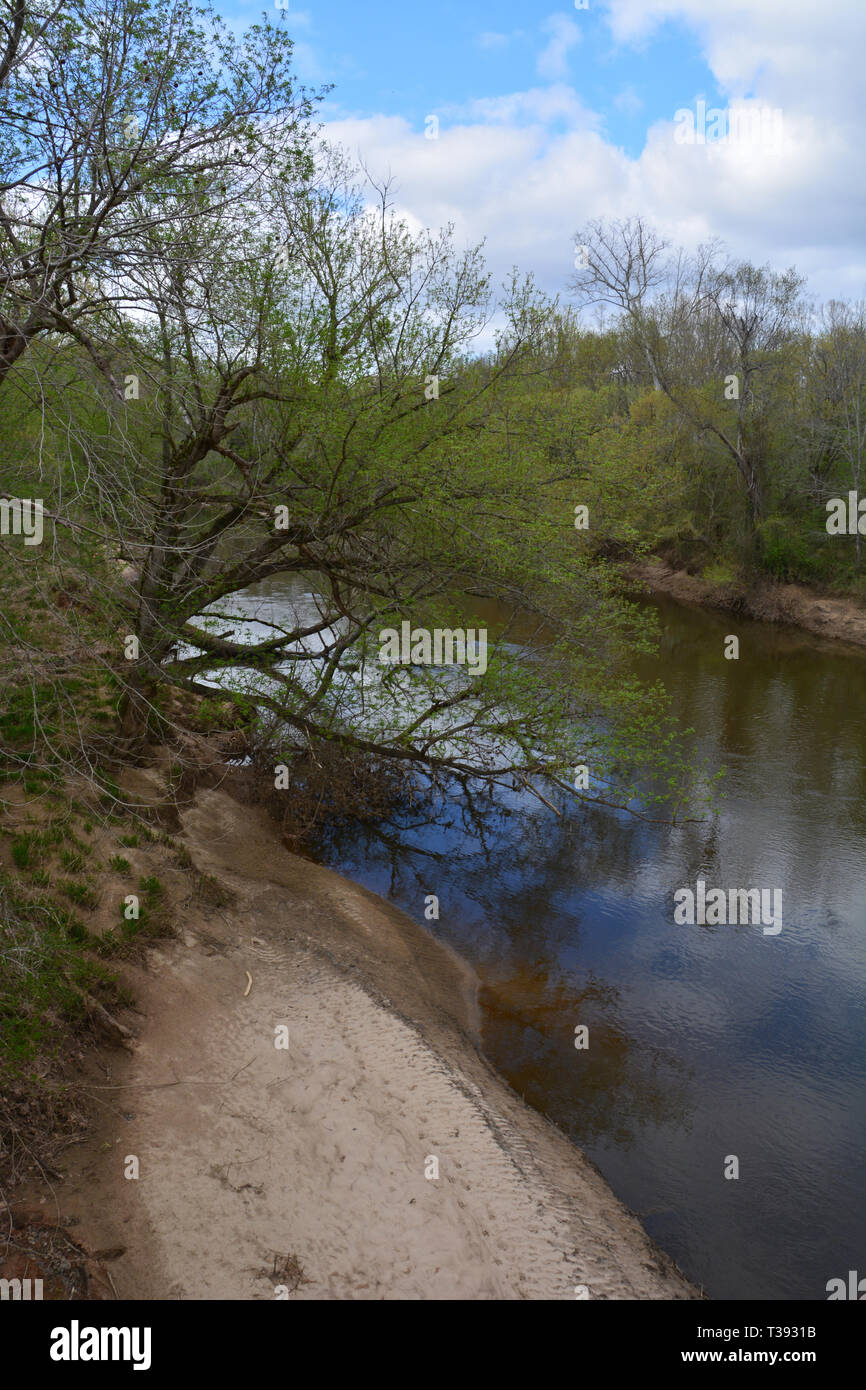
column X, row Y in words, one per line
column 728, row 409
column 224, row 356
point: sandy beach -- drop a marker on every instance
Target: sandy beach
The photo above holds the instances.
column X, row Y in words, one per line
column 308, row 1171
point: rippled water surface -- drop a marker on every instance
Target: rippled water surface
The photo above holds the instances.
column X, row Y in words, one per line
column 705, row 1041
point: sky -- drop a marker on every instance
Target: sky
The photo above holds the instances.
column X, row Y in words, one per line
column 739, row 119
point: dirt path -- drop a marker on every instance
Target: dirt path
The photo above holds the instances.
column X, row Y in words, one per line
column 303, row 1169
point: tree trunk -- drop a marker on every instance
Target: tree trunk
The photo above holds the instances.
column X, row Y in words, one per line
column 12, row 346
column 750, row 478
column 135, row 715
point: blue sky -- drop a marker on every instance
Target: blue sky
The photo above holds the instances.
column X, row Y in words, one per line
column 402, row 60
column 549, row 115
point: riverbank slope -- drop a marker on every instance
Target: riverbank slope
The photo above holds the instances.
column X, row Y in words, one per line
column 302, row 1171
column 837, row 618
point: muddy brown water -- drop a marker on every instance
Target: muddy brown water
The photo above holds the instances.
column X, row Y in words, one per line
column 707, row 1042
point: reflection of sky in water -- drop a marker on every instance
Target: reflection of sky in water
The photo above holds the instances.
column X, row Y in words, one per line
column 256, row 617
column 376, row 699
column 704, row 1041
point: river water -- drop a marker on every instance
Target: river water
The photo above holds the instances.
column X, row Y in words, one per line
column 706, row 1043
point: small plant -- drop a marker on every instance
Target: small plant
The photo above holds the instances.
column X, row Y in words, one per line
column 211, row 892
column 22, row 851
column 152, row 920
column 84, row 894
column 119, row 864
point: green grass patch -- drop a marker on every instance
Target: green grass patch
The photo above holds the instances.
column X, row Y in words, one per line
column 83, row 894
column 45, row 964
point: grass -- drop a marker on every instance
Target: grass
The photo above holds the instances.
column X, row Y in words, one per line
column 23, row 851
column 721, row 573
column 54, row 717
column 45, row 969
column 72, row 861
column 211, row 892
column 84, row 894
column 150, row 922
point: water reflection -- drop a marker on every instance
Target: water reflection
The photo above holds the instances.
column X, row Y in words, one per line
column 705, row 1041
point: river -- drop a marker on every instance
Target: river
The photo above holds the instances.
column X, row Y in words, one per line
column 706, row 1043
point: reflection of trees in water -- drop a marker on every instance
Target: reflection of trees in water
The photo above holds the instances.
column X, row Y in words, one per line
column 522, row 872
column 490, row 837
column 607, row 1091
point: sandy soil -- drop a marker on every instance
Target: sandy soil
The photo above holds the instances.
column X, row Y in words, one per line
column 303, row 1169
column 840, row 619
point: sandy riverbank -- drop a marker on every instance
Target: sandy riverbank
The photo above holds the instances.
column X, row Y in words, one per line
column 839, row 619
column 304, row 1168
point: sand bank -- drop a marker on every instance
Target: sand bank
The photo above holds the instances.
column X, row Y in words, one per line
column 839, row 619
column 302, row 1169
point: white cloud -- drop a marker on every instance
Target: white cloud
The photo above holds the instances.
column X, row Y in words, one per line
column 552, row 62
column 788, row 51
column 526, row 169
column 539, row 106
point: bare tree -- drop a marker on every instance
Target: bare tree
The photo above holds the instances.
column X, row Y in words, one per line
column 625, row 265
column 114, row 116
column 839, row 366
column 686, row 313
column 758, row 311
